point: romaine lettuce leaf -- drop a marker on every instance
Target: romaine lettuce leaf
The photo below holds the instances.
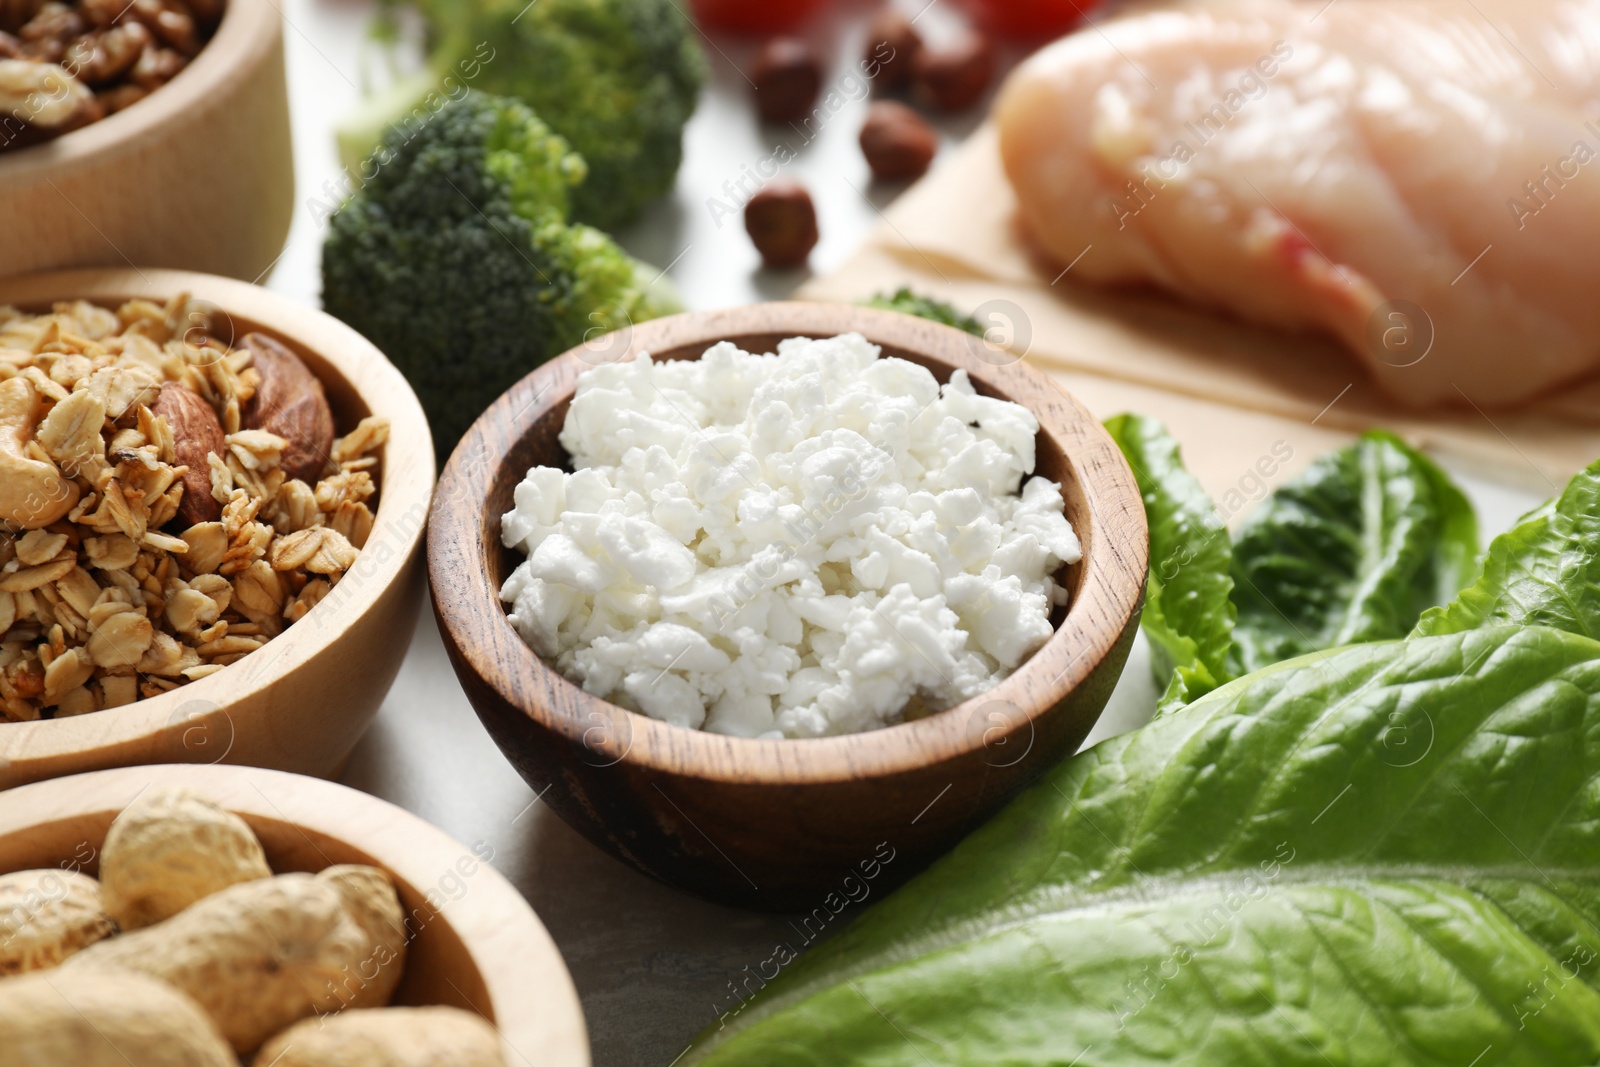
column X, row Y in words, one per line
column 1354, row 549
column 1530, row 574
column 1383, row 855
column 1188, row 616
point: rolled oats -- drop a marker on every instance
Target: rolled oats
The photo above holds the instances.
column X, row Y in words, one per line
column 118, row 689
column 80, row 591
column 77, row 701
column 369, row 435
column 256, row 450
column 121, row 638
column 206, row 544
column 295, row 507
column 320, row 550
column 113, row 552
column 306, row 599
column 39, row 546
column 164, row 542
column 71, row 432
column 189, row 611
column 108, row 593
column 354, row 521
column 27, row 579
column 67, row 671
column 258, row 592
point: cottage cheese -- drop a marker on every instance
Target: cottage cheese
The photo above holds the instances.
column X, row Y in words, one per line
column 815, row 542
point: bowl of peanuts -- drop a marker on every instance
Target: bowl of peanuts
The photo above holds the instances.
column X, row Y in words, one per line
column 149, row 132
column 211, row 504
column 182, row 916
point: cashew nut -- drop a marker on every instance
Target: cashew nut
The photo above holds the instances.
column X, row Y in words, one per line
column 33, row 492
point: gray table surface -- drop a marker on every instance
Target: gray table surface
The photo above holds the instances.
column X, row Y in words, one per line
column 652, row 965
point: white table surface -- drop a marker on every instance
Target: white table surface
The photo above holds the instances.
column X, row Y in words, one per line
column 650, row 963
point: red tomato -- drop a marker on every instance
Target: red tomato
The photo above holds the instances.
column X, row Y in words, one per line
column 754, row 16
column 1030, row 18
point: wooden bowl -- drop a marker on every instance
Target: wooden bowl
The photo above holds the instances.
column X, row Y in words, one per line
column 780, row 824
column 198, row 175
column 303, row 700
column 476, row 944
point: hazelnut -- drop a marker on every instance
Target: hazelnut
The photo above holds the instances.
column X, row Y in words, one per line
column 898, row 143
column 782, row 222
column 787, row 77
column 892, row 43
column 955, row 76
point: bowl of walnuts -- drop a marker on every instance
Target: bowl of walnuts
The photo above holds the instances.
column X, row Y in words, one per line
column 153, row 132
column 211, row 501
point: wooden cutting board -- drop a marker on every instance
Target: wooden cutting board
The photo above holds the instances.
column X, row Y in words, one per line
column 1249, row 404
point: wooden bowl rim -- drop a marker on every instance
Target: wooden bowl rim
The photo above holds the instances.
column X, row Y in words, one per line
column 405, row 490
column 510, row 946
column 457, row 563
column 248, row 32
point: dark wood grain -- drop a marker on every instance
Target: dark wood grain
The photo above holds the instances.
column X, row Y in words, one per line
column 770, row 824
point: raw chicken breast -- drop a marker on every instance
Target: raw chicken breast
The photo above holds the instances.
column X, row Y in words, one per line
column 1366, row 167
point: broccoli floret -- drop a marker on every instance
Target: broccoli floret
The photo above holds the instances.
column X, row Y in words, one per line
column 617, row 78
column 457, row 260
column 926, row 307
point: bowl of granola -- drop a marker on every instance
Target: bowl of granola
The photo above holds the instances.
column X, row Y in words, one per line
column 153, row 132
column 211, row 502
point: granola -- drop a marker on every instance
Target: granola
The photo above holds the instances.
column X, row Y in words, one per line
column 110, row 590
